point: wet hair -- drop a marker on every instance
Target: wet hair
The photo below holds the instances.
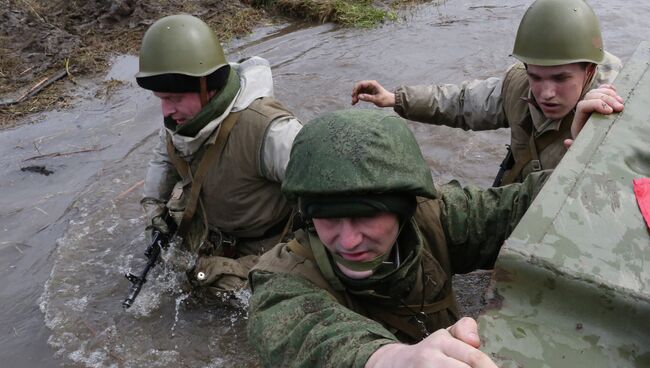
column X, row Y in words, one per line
column 181, row 83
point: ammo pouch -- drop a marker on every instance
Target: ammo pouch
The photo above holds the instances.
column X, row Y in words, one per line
column 194, row 238
column 214, row 269
column 178, row 200
column 221, row 274
column 224, row 261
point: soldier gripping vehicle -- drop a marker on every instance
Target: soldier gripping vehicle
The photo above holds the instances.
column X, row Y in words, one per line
column 571, row 286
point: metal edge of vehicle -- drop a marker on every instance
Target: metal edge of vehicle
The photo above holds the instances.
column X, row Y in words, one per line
column 571, row 286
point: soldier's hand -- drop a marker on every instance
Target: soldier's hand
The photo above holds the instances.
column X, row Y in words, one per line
column 456, row 346
column 159, row 223
column 603, row 100
column 372, row 91
column 154, row 212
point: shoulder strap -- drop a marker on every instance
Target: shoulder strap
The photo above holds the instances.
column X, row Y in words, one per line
column 211, row 155
column 181, row 166
column 535, row 147
column 297, row 248
column 324, row 264
column 398, row 316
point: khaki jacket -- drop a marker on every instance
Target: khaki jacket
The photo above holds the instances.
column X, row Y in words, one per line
column 492, row 104
column 241, row 210
column 264, row 140
column 235, row 196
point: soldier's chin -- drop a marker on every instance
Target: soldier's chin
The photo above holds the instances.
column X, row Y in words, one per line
column 555, row 113
column 356, row 275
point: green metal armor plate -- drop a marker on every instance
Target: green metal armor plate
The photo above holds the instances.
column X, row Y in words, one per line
column 571, row 286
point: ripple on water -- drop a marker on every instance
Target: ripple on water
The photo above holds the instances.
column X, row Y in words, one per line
column 164, row 328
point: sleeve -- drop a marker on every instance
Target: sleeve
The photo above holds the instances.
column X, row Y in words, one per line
column 473, row 105
column 293, row 323
column 477, row 222
column 161, row 174
column 277, row 147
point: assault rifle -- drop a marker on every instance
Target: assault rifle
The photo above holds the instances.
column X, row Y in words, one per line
column 158, row 242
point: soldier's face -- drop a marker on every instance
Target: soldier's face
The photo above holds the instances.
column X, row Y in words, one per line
column 557, row 89
column 358, row 239
column 181, row 107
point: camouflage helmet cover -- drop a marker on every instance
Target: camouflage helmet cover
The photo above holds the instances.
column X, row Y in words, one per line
column 356, row 152
column 557, row 32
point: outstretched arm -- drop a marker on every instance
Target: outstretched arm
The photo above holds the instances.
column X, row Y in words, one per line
column 477, row 221
column 472, row 105
column 373, row 92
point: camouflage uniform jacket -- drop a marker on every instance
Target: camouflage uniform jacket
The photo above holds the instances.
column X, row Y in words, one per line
column 498, row 103
column 298, row 318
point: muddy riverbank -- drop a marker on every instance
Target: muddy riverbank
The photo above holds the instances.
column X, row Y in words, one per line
column 67, row 238
column 48, row 45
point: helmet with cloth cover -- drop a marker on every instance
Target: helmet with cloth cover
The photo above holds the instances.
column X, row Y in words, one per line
column 355, row 163
column 176, row 52
column 557, row 32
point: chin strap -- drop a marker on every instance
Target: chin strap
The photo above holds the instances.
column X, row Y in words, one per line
column 204, row 91
column 591, row 76
column 370, row 265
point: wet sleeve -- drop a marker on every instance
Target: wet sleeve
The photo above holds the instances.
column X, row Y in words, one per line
column 477, row 221
column 293, row 323
column 161, row 175
column 277, row 147
column 472, row 105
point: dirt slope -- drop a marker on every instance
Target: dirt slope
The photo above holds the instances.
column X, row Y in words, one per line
column 40, row 39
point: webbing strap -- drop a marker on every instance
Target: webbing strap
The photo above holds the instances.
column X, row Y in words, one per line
column 203, row 83
column 427, row 308
column 295, row 247
column 395, row 315
column 181, row 166
column 211, row 155
column 324, row 264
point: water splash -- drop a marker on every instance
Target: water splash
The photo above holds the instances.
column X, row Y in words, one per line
column 179, row 300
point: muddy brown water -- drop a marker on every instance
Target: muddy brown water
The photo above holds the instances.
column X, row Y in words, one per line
column 67, row 238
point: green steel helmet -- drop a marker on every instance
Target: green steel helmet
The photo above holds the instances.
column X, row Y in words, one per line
column 557, row 32
column 176, row 51
column 364, row 154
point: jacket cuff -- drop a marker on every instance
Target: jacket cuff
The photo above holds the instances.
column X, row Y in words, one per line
column 400, row 100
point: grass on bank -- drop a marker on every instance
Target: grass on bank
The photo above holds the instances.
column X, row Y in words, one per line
column 351, row 13
column 96, row 37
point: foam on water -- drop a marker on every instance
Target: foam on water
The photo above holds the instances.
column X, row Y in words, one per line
column 164, row 328
column 104, row 238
